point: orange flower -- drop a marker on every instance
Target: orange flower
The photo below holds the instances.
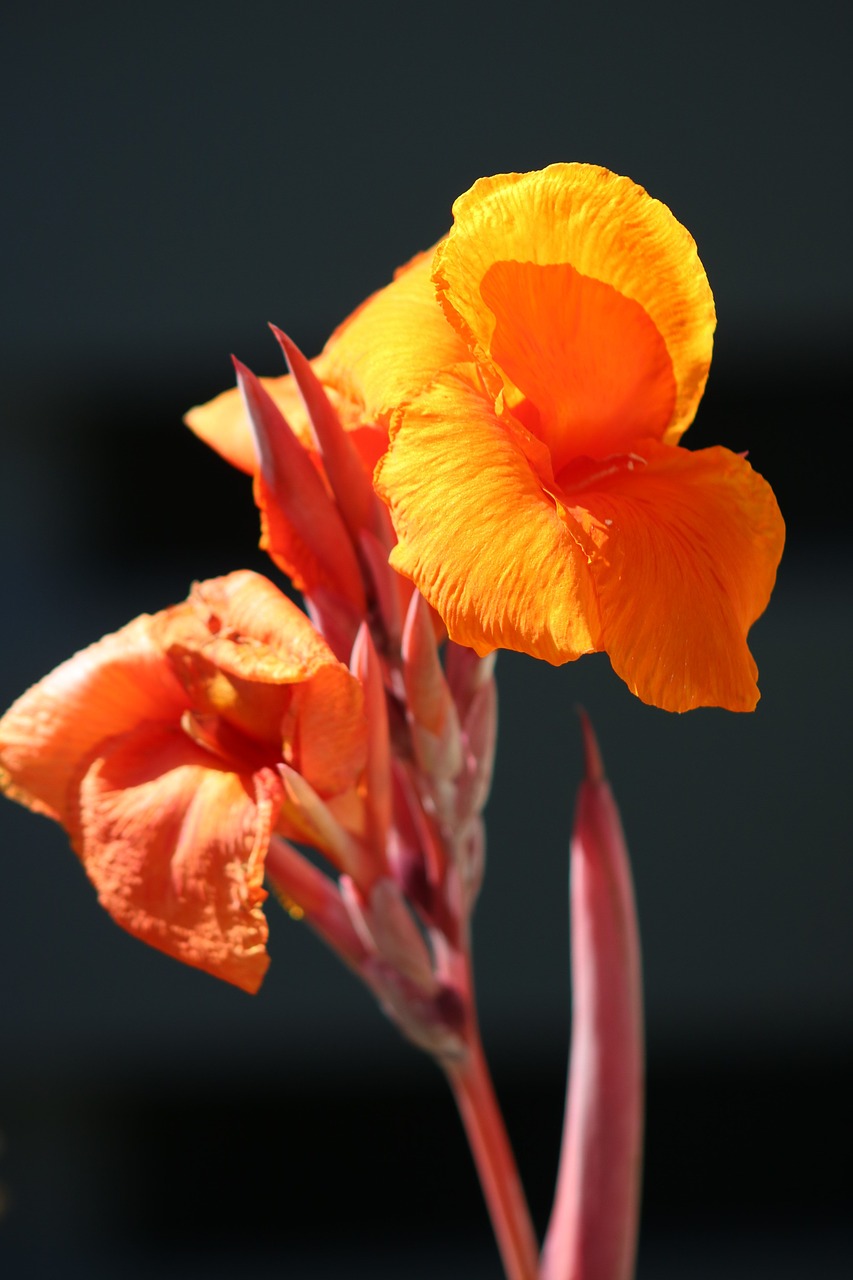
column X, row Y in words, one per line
column 538, row 492
column 167, row 749
column 535, row 375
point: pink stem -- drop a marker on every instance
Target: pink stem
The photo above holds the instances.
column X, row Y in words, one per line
column 487, row 1137
column 593, row 1230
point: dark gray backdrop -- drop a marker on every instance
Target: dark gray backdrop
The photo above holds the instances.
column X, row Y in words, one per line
column 174, row 181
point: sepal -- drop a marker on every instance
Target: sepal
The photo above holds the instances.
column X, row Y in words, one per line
column 302, row 529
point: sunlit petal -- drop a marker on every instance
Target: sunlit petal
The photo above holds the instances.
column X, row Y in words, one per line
column 394, row 344
column 590, row 365
column 606, row 228
column 687, row 548
column 482, row 540
column 102, row 691
column 189, row 882
column 248, row 654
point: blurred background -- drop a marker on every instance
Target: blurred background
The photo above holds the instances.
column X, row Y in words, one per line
column 174, row 180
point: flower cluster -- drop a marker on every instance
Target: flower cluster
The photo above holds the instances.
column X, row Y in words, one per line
column 201, row 749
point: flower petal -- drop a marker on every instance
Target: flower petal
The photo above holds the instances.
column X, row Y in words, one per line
column 254, row 631
column 482, row 540
column 328, row 744
column 250, row 655
column 175, row 848
column 605, row 227
column 663, row 561
column 394, row 344
column 592, row 367
column 105, row 690
column 686, row 551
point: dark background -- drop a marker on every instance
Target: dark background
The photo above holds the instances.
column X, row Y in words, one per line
column 173, row 182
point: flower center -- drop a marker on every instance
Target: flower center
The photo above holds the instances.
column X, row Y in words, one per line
column 589, row 361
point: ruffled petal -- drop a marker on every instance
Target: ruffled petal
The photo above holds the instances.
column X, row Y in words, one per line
column 107, row 689
column 591, row 366
column 328, row 743
column 252, row 630
column 394, row 345
column 607, row 229
column 686, row 551
column 176, row 848
column 249, row 655
column 663, row 559
column 482, row 539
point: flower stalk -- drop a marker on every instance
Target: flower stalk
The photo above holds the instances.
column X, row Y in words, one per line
column 471, row 1083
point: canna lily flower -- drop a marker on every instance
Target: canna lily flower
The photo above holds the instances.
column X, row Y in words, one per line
column 534, row 376
column 173, row 751
column 540, row 495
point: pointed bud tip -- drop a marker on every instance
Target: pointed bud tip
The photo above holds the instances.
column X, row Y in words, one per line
column 360, row 651
column 288, row 346
column 593, row 763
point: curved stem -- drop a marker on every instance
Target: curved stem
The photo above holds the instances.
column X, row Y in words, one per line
column 487, row 1137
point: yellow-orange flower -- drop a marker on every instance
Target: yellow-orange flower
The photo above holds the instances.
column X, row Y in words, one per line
column 534, row 375
column 537, row 488
column 164, row 749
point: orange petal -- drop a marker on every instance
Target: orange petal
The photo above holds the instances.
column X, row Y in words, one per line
column 686, row 547
column 250, row 655
column 105, row 690
column 663, row 561
column 482, row 540
column 252, row 630
column 175, row 849
column 606, row 228
column 328, row 744
column 593, row 368
column 393, row 345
